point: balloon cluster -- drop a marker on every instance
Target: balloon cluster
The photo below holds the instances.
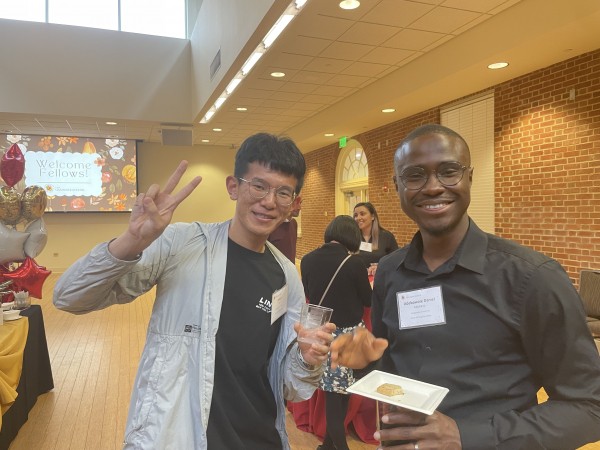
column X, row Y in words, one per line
column 21, row 247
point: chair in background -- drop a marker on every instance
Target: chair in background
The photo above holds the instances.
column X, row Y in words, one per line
column 589, row 290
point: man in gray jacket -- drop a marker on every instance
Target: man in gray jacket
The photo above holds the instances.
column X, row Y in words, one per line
column 221, row 352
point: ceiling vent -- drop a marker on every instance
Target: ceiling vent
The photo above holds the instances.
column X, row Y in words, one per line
column 176, row 135
column 215, row 65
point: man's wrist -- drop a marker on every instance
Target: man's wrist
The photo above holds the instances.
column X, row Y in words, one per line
column 125, row 248
column 303, row 362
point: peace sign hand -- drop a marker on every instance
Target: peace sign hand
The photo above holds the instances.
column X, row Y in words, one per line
column 151, row 214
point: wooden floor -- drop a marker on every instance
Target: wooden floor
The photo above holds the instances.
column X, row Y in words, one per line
column 94, row 360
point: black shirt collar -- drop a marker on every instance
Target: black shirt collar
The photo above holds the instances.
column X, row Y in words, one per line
column 470, row 253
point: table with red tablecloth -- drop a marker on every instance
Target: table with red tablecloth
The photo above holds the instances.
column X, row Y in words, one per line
column 309, row 415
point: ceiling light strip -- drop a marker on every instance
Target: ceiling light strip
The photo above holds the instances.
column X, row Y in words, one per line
column 284, row 20
column 274, row 32
column 247, row 67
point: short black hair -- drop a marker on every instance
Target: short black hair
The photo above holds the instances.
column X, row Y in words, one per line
column 432, row 128
column 274, row 152
column 344, row 230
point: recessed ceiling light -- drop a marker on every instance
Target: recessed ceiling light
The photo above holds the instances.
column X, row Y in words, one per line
column 328, row 134
column 349, row 4
column 205, row 140
column 388, row 110
column 113, row 136
column 7, row 131
column 111, row 123
column 498, row 65
column 277, row 74
column 241, row 108
column 217, row 129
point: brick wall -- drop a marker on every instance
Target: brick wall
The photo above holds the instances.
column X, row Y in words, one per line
column 547, row 159
column 318, row 199
column 547, row 162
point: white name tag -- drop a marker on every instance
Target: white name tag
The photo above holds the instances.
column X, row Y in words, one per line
column 421, row 308
column 279, row 303
column 366, row 246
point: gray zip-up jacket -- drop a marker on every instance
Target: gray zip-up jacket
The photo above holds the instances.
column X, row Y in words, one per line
column 172, row 394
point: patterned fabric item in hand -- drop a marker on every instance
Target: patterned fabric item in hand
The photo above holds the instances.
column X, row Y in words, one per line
column 342, row 377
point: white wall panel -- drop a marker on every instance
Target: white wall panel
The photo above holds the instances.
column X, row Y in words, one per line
column 473, row 119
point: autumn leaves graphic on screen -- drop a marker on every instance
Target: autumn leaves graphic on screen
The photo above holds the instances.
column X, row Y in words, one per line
column 77, row 174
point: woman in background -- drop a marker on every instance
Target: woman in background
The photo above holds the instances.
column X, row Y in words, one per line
column 376, row 241
column 348, row 295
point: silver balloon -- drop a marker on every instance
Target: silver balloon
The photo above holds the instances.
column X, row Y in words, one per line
column 11, row 244
column 38, row 236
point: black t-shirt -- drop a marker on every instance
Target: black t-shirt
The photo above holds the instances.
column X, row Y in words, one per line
column 243, row 409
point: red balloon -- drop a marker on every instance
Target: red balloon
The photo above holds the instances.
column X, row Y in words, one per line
column 12, row 165
column 28, row 277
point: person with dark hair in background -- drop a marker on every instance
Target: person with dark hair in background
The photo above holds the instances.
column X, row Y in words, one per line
column 221, row 351
column 334, row 276
column 376, row 240
column 285, row 236
column 490, row 319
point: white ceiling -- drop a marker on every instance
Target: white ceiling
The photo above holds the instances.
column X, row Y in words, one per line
column 342, row 67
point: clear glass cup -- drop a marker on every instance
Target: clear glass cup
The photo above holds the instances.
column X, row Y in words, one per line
column 22, row 300
column 312, row 319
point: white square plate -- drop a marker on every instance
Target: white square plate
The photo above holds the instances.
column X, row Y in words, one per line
column 418, row 396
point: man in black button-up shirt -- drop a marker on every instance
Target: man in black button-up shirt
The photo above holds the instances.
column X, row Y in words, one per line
column 497, row 321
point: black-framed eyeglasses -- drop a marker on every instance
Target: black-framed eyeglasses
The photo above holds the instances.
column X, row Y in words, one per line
column 284, row 195
column 448, row 174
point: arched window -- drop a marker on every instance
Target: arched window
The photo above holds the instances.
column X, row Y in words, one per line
column 351, row 178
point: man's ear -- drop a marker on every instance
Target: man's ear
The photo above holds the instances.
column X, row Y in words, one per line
column 233, row 185
column 295, row 207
